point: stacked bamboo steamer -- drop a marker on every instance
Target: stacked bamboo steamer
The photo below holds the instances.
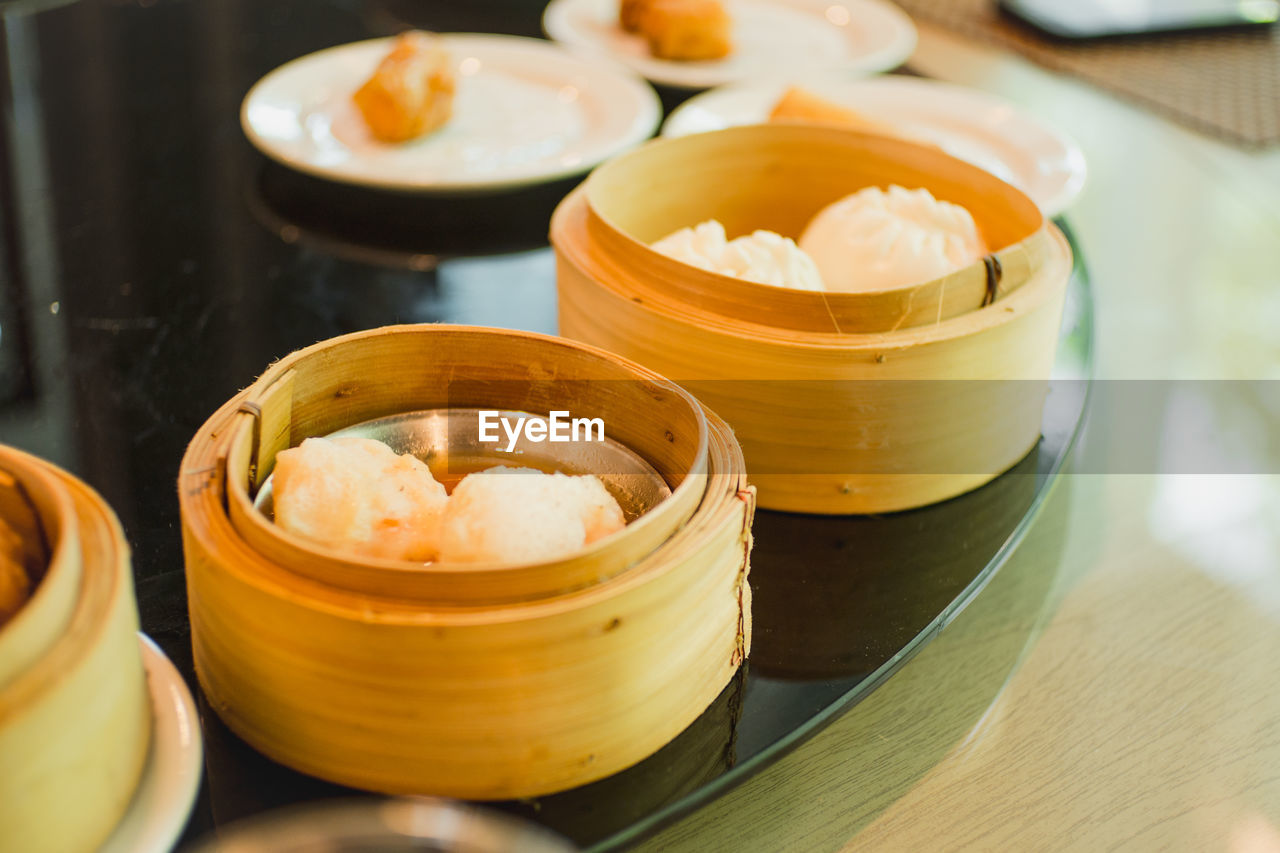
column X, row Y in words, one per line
column 75, row 719
column 843, row 402
column 483, row 682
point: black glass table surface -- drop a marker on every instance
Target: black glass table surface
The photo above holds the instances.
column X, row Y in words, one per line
column 155, row 264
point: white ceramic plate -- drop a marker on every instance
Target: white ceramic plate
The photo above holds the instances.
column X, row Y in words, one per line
column 165, row 793
column 985, row 130
column 525, row 112
column 770, row 37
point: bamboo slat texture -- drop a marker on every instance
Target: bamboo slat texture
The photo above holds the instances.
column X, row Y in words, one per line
column 369, row 680
column 838, row 399
column 75, row 716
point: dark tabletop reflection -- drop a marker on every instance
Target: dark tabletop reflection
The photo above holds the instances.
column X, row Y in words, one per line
column 154, row 264
column 857, row 590
column 356, row 223
column 146, row 291
column 514, row 17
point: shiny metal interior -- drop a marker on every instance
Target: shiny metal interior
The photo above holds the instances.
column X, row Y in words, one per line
column 448, row 440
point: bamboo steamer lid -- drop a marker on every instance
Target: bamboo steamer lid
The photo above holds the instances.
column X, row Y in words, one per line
column 75, row 718
column 843, row 402
column 448, row 687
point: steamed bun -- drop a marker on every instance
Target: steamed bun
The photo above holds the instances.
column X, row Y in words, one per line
column 878, row 240
column 523, row 515
column 358, row 496
column 762, row 256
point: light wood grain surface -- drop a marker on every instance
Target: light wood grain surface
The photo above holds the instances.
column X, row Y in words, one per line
column 1115, row 687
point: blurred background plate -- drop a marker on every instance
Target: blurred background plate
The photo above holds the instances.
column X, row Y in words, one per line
column 983, row 129
column 408, row 825
column 770, row 37
column 170, row 778
column 525, row 112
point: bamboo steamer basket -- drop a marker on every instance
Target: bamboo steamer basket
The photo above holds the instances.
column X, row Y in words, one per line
column 484, row 682
column 75, row 718
column 701, row 753
column 843, row 402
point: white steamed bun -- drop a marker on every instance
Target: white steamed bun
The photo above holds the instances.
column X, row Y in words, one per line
column 879, row 240
column 523, row 515
column 763, row 256
column 357, row 496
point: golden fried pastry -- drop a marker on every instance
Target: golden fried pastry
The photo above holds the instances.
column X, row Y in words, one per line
column 687, row 30
column 798, row 104
column 411, row 92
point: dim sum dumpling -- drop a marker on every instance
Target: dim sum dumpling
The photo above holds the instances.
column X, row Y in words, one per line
column 411, row 91
column 763, row 256
column 878, row 240
column 524, row 515
column 358, row 496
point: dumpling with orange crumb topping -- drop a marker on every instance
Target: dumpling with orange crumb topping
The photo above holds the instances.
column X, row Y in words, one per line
column 356, row 495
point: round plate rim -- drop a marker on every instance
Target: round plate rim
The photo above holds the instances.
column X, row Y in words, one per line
column 679, row 76
column 166, row 792
column 643, row 124
column 1066, row 191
